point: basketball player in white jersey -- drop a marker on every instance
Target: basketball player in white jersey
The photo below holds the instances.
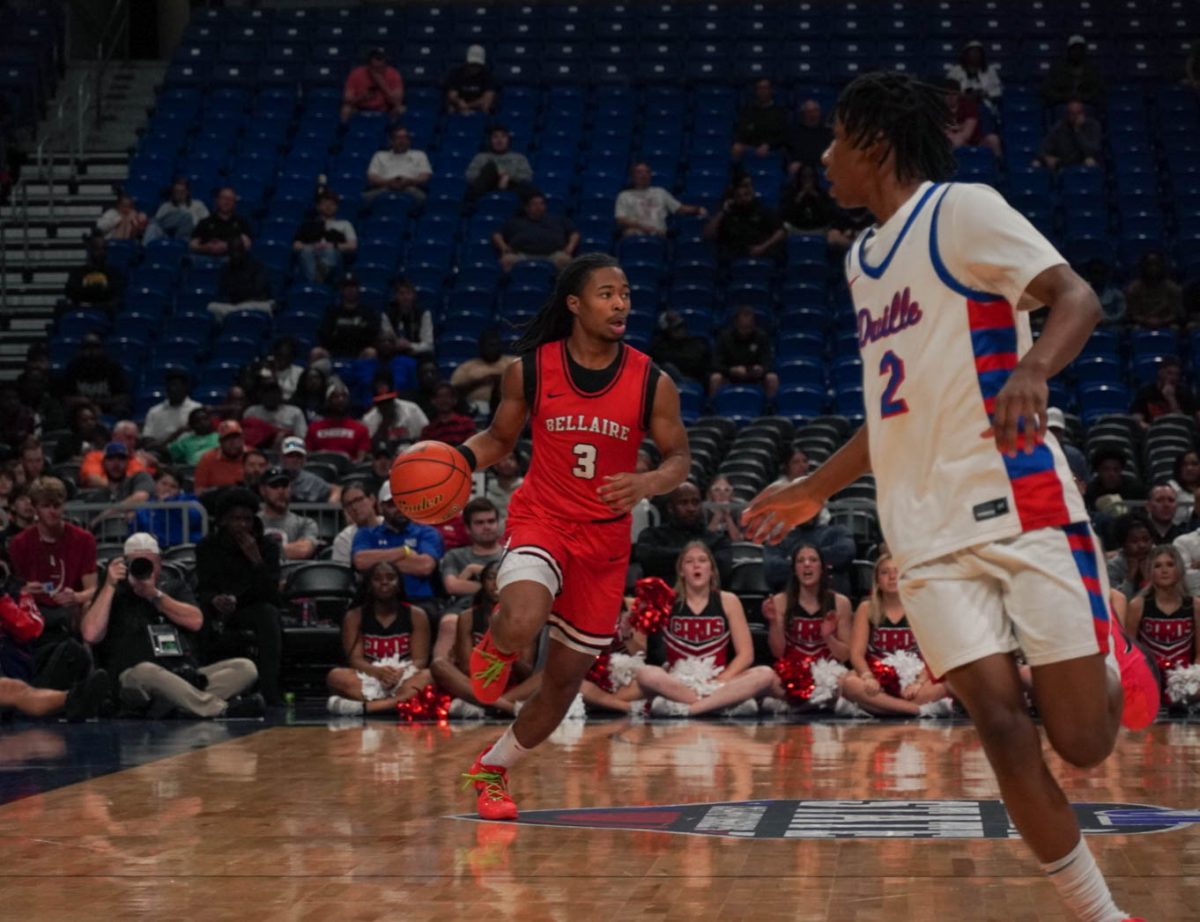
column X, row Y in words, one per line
column 976, row 501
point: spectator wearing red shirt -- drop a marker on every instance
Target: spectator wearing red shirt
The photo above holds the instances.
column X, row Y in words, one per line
column 373, row 87
column 337, row 430
column 55, row 560
column 222, row 466
column 966, row 129
column 447, row 425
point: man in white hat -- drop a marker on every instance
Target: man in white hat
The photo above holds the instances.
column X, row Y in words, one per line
column 470, row 87
column 306, row 486
column 141, row 626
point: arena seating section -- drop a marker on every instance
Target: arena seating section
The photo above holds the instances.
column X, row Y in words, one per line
column 251, row 100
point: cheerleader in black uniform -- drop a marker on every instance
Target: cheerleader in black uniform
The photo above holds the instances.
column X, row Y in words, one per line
column 881, row 683
column 1166, row 622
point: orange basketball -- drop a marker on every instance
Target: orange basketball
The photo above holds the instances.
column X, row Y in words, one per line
column 430, row 482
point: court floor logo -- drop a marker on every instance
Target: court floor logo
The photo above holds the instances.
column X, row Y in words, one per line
column 851, row 819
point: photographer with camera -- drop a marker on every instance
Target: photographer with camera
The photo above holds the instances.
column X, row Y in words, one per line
column 140, row 624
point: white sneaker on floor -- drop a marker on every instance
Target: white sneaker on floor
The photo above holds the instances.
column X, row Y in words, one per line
column 665, row 707
column 943, row 707
column 774, row 706
column 344, row 707
column 460, row 709
column 748, row 708
column 845, row 708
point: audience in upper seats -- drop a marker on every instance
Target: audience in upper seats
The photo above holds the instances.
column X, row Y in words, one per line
column 87, row 434
column 392, row 421
column 470, row 87
column 142, row 625
column 1112, row 300
column 199, row 438
column 744, row 226
column 323, row 243
column 1074, row 76
column 358, row 505
column 1155, row 299
column 375, row 86
column 1129, row 568
column 966, row 116
column 222, row 466
column 295, row 534
column 237, row 583
column 398, row 169
column 337, row 429
column 212, row 236
column 414, row 549
column 644, row 209
column 124, row 489
column 975, row 76
column 1075, row 140
column 535, row 233
column 122, row 221
column 499, row 168
column 762, row 126
column 284, row 367
column 93, row 471
column 744, row 355
column 284, row 418
column 306, row 487
column 96, row 377
column 411, row 323
column 1168, row 394
column 350, row 326
column 658, row 547
column 806, row 208
column 1110, row 477
column 478, row 379
column 808, row 138
column 168, row 419
column 678, row 353
column 243, row 285
column 178, row 216
column 95, row 283
column 448, row 424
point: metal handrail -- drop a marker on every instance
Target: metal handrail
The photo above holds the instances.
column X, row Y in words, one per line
column 120, row 16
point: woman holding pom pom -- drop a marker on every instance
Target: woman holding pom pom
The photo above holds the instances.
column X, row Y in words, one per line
column 387, row 646
column 1166, row 621
column 808, row 632
column 610, row 684
column 704, row 628
column 889, row 676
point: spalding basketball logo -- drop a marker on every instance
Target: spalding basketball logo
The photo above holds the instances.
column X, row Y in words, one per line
column 850, row 819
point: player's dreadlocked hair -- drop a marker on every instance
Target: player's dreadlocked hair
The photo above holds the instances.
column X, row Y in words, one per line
column 908, row 116
column 554, row 320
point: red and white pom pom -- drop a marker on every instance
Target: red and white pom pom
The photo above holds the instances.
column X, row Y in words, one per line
column 908, row 666
column 795, row 675
column 1183, row 683
column 826, row 674
column 430, row 703
column 653, row 600
column 622, row 666
column 699, row 673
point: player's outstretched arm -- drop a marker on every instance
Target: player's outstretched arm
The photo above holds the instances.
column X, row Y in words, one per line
column 500, row 437
column 780, row 508
column 621, row 492
column 1074, row 312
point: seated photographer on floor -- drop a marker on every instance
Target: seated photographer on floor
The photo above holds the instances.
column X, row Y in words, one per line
column 141, row 624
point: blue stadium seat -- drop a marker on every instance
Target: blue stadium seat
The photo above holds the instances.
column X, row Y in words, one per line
column 1098, row 400
column 800, row 402
column 738, row 402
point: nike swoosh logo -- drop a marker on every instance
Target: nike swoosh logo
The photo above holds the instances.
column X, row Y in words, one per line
column 615, row 559
column 850, row 284
column 552, row 396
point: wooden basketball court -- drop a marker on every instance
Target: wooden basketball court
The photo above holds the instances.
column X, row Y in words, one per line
column 842, row 821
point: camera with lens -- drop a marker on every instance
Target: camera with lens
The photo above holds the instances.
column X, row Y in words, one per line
column 141, row 568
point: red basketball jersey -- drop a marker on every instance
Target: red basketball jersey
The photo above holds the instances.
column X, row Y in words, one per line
column 580, row 438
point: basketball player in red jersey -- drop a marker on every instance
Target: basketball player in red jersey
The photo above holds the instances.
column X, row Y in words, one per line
column 591, row 401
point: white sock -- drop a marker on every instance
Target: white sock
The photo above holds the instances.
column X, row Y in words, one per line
column 506, row 752
column 1081, row 886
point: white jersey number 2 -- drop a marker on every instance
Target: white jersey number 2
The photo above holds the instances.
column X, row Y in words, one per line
column 585, row 467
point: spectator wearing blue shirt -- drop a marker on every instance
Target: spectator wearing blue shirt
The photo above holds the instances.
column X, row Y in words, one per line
column 416, row 550
column 170, row 526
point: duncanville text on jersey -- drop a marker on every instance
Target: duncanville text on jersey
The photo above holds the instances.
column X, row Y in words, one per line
column 579, row 423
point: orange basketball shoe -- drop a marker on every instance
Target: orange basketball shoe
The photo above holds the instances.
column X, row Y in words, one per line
column 489, row 670
column 491, row 783
column 1138, row 679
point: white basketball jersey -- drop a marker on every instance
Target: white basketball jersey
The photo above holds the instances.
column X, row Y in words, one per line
column 937, row 292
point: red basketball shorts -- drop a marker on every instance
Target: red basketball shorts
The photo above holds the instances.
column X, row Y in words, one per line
column 582, row 564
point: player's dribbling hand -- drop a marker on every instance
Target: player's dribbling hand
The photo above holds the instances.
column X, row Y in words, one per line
column 1019, row 413
column 778, row 509
column 621, row 492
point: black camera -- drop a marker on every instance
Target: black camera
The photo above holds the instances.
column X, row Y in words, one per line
column 141, row 568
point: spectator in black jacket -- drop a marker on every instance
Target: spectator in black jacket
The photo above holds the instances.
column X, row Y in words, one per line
column 94, row 376
column 95, row 283
column 244, row 285
column 744, row 355
column 351, row 326
column 237, row 581
column 762, row 127
column 213, row 235
column 678, row 353
column 808, row 138
column 743, row 226
column 470, row 87
column 1074, row 76
column 658, row 547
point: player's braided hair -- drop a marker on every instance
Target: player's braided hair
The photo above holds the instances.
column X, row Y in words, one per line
column 908, row 116
column 554, row 320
